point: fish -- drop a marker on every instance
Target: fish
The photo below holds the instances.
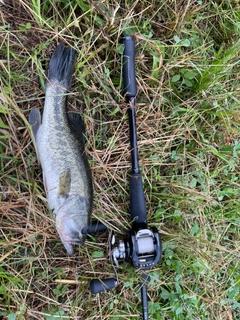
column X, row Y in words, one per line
column 59, row 141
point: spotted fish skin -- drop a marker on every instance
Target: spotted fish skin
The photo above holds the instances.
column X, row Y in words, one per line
column 59, row 142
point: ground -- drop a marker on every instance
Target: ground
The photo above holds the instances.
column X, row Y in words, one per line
column 187, row 67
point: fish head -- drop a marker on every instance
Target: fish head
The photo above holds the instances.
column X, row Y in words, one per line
column 72, row 222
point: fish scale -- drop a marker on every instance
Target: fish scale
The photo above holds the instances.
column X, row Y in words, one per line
column 60, row 147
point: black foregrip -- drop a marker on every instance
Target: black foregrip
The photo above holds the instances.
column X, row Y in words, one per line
column 97, row 286
column 129, row 77
column 137, row 201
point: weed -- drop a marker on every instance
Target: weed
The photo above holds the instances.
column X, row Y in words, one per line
column 189, row 143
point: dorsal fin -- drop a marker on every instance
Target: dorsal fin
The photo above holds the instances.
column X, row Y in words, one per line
column 77, row 124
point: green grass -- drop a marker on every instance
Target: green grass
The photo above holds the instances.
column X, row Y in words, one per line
column 187, row 67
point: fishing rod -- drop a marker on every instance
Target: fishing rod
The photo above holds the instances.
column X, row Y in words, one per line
column 142, row 245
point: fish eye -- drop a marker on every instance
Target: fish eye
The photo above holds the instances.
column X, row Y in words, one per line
column 84, row 230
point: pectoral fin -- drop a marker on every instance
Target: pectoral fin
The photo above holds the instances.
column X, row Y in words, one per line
column 64, row 183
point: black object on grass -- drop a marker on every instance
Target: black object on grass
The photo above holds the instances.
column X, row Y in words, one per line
column 142, row 245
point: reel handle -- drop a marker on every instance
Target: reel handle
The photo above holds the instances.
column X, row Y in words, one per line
column 97, row 286
column 95, row 227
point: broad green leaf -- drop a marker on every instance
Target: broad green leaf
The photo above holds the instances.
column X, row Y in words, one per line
column 98, row 254
column 176, row 78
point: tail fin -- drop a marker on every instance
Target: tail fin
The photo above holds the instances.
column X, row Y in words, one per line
column 61, row 65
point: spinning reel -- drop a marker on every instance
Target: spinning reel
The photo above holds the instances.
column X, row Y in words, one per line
column 142, row 246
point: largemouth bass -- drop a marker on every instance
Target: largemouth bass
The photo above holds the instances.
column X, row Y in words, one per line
column 59, row 142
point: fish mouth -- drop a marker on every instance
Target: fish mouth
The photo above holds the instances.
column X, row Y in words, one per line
column 75, row 242
column 69, row 244
column 70, row 232
column 69, row 248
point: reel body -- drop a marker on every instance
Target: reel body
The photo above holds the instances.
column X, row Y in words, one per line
column 142, row 249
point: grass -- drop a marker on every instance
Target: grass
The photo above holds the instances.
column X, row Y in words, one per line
column 188, row 132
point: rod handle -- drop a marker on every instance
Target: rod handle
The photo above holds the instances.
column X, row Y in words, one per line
column 100, row 285
column 137, row 201
column 128, row 71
